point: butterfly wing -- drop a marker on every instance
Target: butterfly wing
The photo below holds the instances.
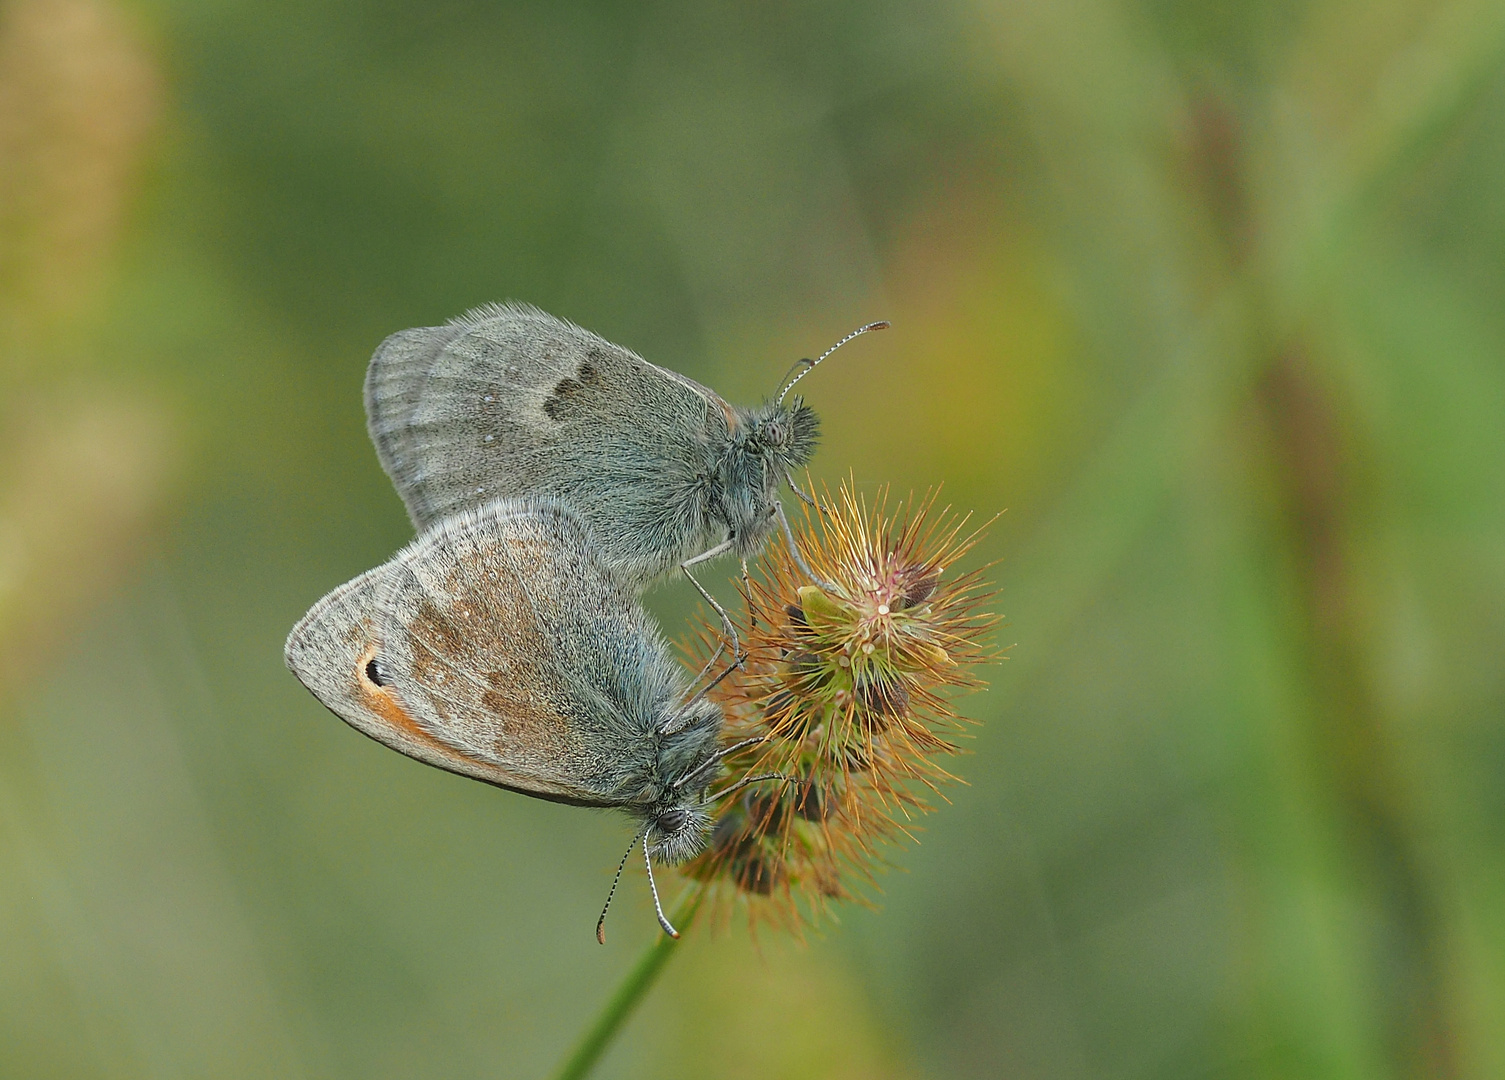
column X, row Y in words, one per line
column 495, row 647
column 507, row 402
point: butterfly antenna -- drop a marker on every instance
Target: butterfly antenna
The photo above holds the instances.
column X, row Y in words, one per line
column 653, row 888
column 811, row 365
column 601, row 922
column 804, row 362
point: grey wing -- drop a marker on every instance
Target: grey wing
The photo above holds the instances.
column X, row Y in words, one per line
column 506, row 639
column 337, row 651
column 507, row 401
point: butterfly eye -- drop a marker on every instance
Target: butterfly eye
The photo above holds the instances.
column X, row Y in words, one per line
column 374, row 673
column 773, row 434
column 671, row 821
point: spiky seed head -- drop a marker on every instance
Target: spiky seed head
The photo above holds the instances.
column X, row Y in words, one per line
column 850, row 689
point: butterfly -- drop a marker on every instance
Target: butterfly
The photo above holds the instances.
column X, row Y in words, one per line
column 497, row 646
column 507, row 401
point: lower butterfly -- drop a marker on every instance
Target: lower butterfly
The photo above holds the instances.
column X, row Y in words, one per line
column 497, row 647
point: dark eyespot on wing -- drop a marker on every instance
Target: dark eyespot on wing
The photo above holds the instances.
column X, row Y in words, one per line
column 373, row 673
column 557, row 407
column 590, row 370
column 572, row 396
column 508, row 402
column 565, row 403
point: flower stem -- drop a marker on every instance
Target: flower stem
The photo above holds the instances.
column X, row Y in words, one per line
column 634, row 988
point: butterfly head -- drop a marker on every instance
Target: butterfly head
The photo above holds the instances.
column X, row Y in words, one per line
column 766, row 444
column 784, row 434
column 679, row 830
column 674, row 813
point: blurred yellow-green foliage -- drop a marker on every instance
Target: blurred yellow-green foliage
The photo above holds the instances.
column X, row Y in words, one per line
column 1209, row 295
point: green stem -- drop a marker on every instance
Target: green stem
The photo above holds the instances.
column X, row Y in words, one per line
column 633, row 989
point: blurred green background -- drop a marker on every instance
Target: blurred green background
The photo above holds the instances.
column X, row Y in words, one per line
column 1209, row 295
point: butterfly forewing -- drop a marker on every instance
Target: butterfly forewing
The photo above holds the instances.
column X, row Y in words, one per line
column 508, row 401
column 495, row 647
column 336, row 651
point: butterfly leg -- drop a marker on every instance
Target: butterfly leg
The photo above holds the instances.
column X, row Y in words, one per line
column 808, row 500
column 794, row 550
column 681, row 716
column 702, row 772
column 752, row 618
column 726, row 620
column 746, row 780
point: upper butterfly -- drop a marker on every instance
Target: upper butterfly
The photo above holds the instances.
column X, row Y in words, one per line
column 508, row 401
